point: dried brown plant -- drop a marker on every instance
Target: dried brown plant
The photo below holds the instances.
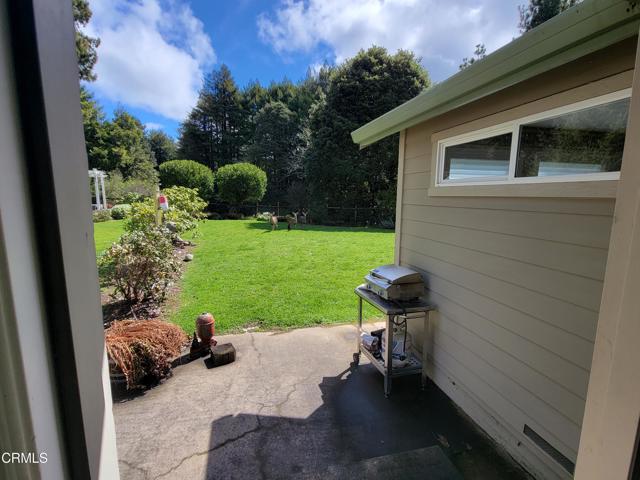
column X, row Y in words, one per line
column 143, row 349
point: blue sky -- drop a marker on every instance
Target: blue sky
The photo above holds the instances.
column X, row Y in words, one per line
column 154, row 52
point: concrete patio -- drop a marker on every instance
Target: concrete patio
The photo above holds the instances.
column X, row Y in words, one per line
column 291, row 406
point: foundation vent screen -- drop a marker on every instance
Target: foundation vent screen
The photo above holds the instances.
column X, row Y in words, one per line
column 549, row 449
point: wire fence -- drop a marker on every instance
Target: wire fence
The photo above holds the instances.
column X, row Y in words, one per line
column 383, row 217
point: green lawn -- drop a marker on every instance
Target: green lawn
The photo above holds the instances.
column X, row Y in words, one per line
column 105, row 233
column 245, row 274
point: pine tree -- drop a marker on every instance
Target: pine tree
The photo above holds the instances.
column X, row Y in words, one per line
column 85, row 45
column 539, row 11
column 162, row 146
column 95, row 133
column 363, row 88
column 127, row 148
column 276, row 148
column 212, row 133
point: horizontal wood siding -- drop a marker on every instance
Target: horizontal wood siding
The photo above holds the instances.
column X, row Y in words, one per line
column 517, row 283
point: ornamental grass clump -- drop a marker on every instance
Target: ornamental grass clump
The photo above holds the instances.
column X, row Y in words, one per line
column 142, row 350
column 140, row 266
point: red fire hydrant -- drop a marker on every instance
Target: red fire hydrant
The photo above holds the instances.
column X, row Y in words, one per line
column 205, row 328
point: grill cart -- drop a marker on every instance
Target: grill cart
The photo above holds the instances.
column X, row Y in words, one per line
column 388, row 356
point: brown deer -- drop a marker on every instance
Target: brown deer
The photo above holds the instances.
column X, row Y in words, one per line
column 291, row 219
column 274, row 221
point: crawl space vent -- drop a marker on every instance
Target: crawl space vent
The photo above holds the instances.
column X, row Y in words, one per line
column 549, row 449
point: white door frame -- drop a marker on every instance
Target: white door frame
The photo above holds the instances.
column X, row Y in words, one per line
column 63, row 336
column 610, row 426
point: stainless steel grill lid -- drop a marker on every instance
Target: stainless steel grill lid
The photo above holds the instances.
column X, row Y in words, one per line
column 393, row 282
column 395, row 274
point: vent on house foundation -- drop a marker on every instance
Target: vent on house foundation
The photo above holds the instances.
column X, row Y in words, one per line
column 549, row 449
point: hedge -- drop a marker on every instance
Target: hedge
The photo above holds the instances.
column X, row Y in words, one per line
column 187, row 173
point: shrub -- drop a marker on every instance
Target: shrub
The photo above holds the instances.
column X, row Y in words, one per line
column 132, row 197
column 186, row 208
column 141, row 216
column 101, row 216
column 143, row 349
column 187, row 200
column 240, row 183
column 140, row 266
column 118, row 212
column 187, row 173
column 130, row 190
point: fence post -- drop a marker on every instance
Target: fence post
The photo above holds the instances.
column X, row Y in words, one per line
column 256, row 209
column 278, row 209
column 355, row 216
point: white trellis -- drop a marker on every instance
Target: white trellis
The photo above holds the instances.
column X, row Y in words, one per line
column 98, row 177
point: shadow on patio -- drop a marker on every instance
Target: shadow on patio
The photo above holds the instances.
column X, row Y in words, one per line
column 288, row 408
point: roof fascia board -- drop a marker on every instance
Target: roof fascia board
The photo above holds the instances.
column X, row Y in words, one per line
column 562, row 39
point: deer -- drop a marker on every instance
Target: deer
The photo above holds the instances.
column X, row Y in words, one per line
column 273, row 219
column 302, row 216
column 291, row 219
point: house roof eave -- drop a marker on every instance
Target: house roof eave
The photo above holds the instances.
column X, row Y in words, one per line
column 583, row 29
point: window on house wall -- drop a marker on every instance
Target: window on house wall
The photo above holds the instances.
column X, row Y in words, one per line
column 487, row 157
column 582, row 141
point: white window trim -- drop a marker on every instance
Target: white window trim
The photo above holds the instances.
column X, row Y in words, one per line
column 513, row 127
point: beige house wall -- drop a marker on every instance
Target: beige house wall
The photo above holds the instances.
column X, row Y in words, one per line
column 517, row 280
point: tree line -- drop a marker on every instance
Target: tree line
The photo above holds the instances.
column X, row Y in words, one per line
column 300, row 133
column 297, row 132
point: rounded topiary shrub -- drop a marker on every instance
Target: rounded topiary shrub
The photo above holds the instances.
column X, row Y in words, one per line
column 240, row 183
column 187, row 173
column 118, row 212
column 101, row 216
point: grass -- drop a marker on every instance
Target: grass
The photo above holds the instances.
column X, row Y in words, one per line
column 105, row 233
column 244, row 274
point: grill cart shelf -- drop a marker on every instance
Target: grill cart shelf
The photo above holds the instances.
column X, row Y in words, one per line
column 392, row 310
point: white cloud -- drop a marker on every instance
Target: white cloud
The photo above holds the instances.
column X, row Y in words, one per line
column 153, row 126
column 151, row 54
column 442, row 32
column 315, row 68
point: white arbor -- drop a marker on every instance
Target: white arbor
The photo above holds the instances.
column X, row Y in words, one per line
column 98, row 177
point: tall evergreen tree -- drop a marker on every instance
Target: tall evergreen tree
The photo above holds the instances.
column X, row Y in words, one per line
column 95, row 131
column 276, row 148
column 85, row 45
column 361, row 89
column 127, row 147
column 117, row 145
column 162, row 146
column 252, row 98
column 212, row 132
column 539, row 11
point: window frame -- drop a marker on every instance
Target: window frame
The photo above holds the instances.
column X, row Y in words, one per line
column 513, row 127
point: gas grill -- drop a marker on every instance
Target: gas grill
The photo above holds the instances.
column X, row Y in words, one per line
column 396, row 292
column 395, row 283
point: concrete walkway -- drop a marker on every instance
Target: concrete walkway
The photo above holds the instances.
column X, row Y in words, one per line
column 288, row 407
